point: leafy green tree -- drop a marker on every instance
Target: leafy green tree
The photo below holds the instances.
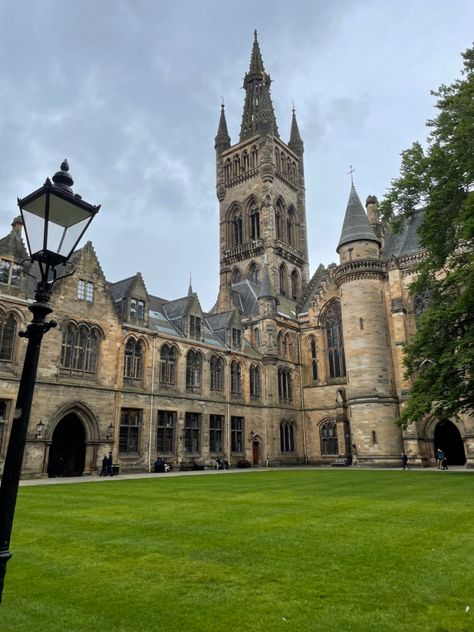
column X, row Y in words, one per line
column 438, row 181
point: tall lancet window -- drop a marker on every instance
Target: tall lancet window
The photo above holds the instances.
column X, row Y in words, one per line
column 283, row 280
column 237, row 232
column 334, row 341
column 254, row 223
column 294, row 285
column 290, row 227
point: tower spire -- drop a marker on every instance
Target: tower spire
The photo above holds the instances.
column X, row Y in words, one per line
column 295, row 143
column 222, row 139
column 257, row 95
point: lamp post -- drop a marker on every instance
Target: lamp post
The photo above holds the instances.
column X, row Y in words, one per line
column 55, row 219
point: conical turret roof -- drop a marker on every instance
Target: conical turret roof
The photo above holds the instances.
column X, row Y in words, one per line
column 222, row 137
column 356, row 225
column 295, row 143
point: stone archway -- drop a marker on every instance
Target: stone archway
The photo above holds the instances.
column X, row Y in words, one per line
column 448, row 438
column 68, row 447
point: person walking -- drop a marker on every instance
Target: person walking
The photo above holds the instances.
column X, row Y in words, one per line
column 110, row 471
column 105, row 464
column 439, row 458
column 405, row 461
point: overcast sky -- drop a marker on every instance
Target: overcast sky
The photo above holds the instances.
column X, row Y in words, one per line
column 130, row 91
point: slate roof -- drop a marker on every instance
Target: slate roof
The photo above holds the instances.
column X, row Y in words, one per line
column 356, row 225
column 406, row 242
column 312, row 288
column 119, row 289
column 245, row 297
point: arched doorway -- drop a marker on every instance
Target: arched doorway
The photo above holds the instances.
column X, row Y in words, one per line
column 255, row 452
column 67, row 450
column 448, row 438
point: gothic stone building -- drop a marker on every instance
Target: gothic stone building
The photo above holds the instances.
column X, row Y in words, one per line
column 285, row 369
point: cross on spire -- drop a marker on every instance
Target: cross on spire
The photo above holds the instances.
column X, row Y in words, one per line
column 350, row 172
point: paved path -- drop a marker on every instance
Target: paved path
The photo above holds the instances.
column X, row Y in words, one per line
column 122, row 477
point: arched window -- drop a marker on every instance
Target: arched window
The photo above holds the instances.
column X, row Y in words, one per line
column 254, row 381
column 293, row 170
column 280, row 343
column 237, row 232
column 294, row 285
column 217, row 373
column 283, row 162
column 328, row 436
column 133, row 365
column 334, row 341
column 254, row 273
column 235, row 378
column 167, row 365
column 254, row 157
column 284, row 385
column 278, row 222
column 79, row 350
column 288, row 166
column 245, row 161
column 286, row 345
column 193, row 370
column 290, row 227
column 283, row 280
column 8, row 327
column 287, row 436
column 228, row 169
column 277, row 159
column 314, row 359
column 236, row 276
column 236, row 165
column 254, row 223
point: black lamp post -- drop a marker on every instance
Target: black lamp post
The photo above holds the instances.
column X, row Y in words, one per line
column 54, row 219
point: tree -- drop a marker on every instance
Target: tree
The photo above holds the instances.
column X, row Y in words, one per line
column 439, row 182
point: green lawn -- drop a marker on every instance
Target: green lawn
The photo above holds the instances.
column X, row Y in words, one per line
column 257, row 551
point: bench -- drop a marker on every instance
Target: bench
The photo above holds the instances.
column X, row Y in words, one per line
column 341, row 462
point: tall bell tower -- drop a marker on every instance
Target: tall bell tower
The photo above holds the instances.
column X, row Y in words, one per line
column 261, row 192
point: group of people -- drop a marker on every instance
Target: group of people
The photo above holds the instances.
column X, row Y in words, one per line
column 160, row 465
column 107, row 465
column 221, row 463
column 441, row 460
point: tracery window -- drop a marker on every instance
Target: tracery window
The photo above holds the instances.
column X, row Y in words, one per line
column 79, row 350
column 236, row 276
column 283, row 280
column 254, row 224
column 235, row 378
column 193, row 370
column 254, row 381
column 237, row 229
column 294, row 285
column 334, row 341
column 8, row 326
column 217, row 373
column 167, row 365
column 254, row 273
column 284, row 385
column 133, row 365
column 290, row 227
column 287, row 436
column 328, row 436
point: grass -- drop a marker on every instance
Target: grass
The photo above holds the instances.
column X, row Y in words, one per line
column 314, row 550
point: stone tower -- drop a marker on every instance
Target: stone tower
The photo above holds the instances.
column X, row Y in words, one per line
column 261, row 192
column 370, row 378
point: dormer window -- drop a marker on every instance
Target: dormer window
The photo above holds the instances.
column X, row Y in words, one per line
column 10, row 272
column 236, row 338
column 195, row 327
column 137, row 309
